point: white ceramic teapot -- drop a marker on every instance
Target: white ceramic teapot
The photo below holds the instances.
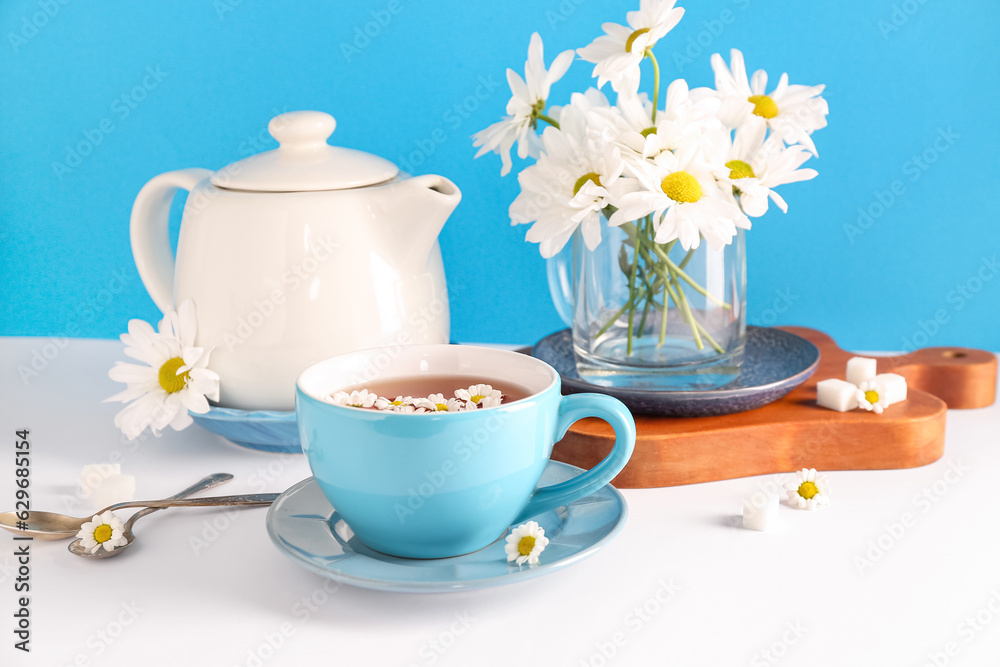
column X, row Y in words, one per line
column 297, row 254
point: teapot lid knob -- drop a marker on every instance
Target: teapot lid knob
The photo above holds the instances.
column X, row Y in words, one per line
column 304, row 161
column 302, row 129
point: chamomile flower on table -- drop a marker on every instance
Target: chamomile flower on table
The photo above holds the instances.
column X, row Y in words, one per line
column 792, row 112
column 618, row 52
column 684, row 199
column 525, row 543
column 755, row 164
column 355, row 399
column 809, row 490
column 569, row 185
column 173, row 379
column 104, row 531
column 525, row 108
column 871, row 396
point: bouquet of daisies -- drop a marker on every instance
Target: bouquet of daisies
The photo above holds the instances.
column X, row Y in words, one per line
column 692, row 166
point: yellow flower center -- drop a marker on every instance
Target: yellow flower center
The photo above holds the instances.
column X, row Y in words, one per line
column 442, row 407
column 102, row 533
column 169, row 379
column 631, row 38
column 808, row 489
column 397, row 403
column 591, row 176
column 871, row 396
column 525, row 546
column 648, row 131
column 763, row 106
column 477, row 398
column 682, row 187
column 739, row 169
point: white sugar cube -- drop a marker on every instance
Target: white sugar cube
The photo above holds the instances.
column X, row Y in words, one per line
column 114, row 489
column 861, row 369
column 93, row 475
column 760, row 512
column 836, row 395
column 894, row 387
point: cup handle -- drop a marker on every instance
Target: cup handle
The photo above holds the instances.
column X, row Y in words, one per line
column 573, row 408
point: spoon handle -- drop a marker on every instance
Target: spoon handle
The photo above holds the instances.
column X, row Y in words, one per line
column 246, row 499
column 206, row 483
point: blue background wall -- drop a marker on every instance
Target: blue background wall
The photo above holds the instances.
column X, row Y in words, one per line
column 912, row 141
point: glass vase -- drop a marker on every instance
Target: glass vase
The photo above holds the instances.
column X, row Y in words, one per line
column 653, row 316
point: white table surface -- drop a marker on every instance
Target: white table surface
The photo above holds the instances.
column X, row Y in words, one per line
column 682, row 584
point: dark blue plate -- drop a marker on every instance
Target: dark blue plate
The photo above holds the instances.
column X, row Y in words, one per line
column 774, row 363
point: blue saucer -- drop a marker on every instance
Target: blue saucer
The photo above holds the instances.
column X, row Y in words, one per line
column 774, row 363
column 303, row 525
column 263, row 430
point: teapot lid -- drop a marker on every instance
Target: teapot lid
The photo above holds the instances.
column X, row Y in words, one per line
column 304, row 161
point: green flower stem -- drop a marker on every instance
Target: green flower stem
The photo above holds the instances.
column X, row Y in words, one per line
column 708, row 337
column 682, row 303
column 678, row 271
column 551, row 121
column 632, row 297
column 656, row 82
column 677, row 293
column 687, row 258
column 663, row 322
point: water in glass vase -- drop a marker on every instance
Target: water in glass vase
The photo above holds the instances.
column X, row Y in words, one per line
column 656, row 316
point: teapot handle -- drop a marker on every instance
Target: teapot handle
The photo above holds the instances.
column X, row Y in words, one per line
column 148, row 229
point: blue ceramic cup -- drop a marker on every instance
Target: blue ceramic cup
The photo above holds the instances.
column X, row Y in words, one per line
column 445, row 484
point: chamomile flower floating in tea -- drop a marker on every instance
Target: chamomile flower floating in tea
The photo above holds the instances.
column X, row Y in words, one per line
column 809, row 490
column 355, row 399
column 174, row 379
column 478, row 393
column 438, row 403
column 475, row 397
column 104, row 531
column 525, row 543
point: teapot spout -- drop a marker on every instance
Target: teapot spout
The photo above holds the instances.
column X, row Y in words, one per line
column 416, row 213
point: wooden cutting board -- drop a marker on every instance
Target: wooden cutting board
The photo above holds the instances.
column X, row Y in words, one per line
column 794, row 433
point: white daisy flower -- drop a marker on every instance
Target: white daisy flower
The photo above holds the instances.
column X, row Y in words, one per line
column 438, row 403
column 492, row 401
column 525, row 543
column 409, row 409
column 525, row 107
column 355, row 399
column 872, row 396
column 103, row 531
column 684, row 198
column 809, row 490
column 682, row 120
column 568, row 187
column 792, row 112
column 383, row 403
column 617, row 53
column 755, row 165
column 477, row 393
column 174, row 380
